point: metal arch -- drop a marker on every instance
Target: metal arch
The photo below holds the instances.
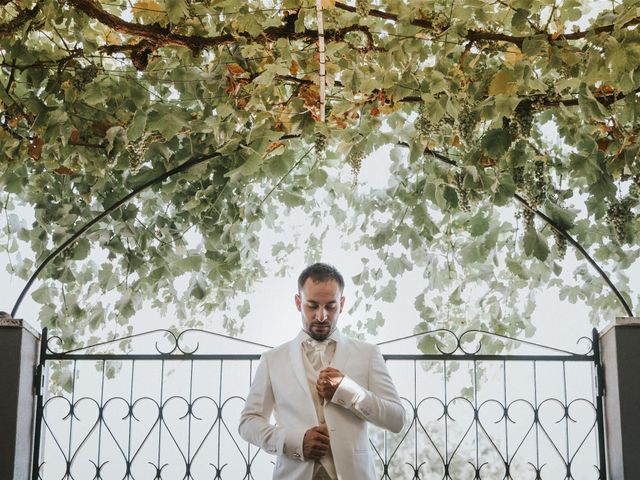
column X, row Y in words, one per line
column 581, row 249
column 180, row 168
column 546, row 219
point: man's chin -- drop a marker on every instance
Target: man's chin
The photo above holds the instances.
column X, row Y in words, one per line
column 320, row 335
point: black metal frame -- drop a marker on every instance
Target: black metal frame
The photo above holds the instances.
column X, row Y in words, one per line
column 456, row 349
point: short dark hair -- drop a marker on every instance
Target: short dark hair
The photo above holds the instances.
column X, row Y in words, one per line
column 321, row 272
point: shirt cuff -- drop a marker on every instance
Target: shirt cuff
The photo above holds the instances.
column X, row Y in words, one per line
column 348, row 393
column 293, row 443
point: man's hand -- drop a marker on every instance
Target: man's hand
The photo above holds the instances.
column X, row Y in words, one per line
column 328, row 381
column 315, row 443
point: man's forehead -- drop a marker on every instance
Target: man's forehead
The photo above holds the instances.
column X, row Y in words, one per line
column 318, row 287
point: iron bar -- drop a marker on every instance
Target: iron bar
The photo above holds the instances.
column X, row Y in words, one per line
column 39, row 378
column 600, row 391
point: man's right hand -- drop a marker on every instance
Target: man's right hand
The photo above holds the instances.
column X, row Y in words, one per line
column 315, row 444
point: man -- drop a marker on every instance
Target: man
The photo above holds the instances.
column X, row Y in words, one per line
column 322, row 388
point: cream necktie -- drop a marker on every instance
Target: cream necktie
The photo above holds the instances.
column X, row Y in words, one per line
column 318, row 354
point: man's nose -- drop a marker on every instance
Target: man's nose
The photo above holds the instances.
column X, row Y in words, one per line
column 321, row 315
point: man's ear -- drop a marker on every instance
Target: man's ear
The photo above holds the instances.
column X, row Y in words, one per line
column 298, row 302
column 341, row 304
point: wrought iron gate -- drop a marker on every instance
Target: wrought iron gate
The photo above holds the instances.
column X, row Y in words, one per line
column 108, row 411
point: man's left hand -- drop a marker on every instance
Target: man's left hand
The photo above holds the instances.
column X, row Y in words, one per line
column 328, row 382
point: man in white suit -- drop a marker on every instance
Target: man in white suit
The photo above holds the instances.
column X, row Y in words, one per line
column 322, row 389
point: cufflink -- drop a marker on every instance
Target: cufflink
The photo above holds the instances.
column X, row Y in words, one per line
column 296, row 455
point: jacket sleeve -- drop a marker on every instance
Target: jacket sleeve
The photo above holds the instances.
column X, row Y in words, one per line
column 380, row 403
column 255, row 420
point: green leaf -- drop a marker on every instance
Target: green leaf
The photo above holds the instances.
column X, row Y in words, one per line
column 496, row 142
column 388, row 292
column 563, row 217
column 177, row 10
column 42, row 294
column 479, row 224
column 535, row 245
column 517, row 268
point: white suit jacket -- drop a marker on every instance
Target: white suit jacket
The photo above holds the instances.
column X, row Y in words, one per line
column 366, row 394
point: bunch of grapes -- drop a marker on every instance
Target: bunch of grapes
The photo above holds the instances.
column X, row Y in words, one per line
column 540, row 179
column 561, row 243
column 634, row 188
column 524, row 117
column 527, row 219
column 84, row 76
column 362, row 8
column 619, row 216
column 356, row 155
column 467, row 120
column 138, row 148
column 423, row 124
column 320, row 146
column 517, row 172
column 439, row 21
column 535, row 184
column 462, row 192
column 552, row 93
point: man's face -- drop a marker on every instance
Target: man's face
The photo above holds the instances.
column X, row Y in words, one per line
column 320, row 305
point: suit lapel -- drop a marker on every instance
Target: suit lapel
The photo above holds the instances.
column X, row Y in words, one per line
column 341, row 356
column 295, row 354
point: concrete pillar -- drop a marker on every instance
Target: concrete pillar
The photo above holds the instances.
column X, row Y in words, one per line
column 620, row 350
column 18, row 358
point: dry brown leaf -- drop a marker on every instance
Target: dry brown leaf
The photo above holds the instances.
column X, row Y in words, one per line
column 293, row 68
column 35, row 148
column 274, row 145
column 74, row 136
column 64, row 171
column 235, row 69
